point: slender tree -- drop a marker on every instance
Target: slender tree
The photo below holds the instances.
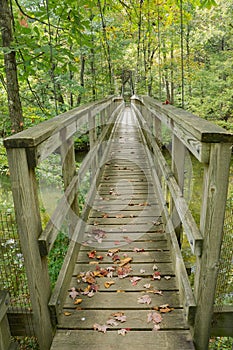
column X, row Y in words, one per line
column 14, row 103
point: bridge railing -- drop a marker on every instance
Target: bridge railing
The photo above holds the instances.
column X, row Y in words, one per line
column 26, row 150
column 211, row 146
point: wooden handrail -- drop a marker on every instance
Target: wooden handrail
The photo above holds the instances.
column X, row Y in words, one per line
column 25, row 151
column 211, row 145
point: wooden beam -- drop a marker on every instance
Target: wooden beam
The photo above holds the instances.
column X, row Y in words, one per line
column 222, row 321
column 26, row 204
column 211, row 225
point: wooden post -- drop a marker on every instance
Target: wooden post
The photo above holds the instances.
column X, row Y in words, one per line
column 29, row 227
column 92, row 141
column 211, row 225
column 178, row 160
column 68, row 172
column 5, row 336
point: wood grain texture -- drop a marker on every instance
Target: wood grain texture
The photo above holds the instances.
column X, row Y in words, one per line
column 126, row 228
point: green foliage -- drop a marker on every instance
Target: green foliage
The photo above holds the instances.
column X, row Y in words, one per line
column 4, row 170
column 56, row 256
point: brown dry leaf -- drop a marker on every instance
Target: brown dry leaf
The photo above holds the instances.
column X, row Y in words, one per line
column 67, row 313
column 123, row 331
column 138, row 250
column 156, row 276
column 78, row 301
column 156, row 327
column 112, row 322
column 166, row 310
column 124, row 271
column 99, row 328
column 119, row 216
column 159, row 292
column 105, row 215
column 117, row 314
column 73, row 293
column 125, row 261
column 120, row 291
column 135, row 280
column 91, row 254
column 154, row 317
column 145, row 299
column 121, row 318
column 108, row 284
column 112, row 252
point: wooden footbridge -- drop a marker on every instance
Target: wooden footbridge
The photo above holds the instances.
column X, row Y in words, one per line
column 124, row 283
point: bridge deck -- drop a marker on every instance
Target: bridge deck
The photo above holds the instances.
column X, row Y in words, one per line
column 125, row 216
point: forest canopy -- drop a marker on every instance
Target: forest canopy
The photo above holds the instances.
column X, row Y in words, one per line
column 71, row 52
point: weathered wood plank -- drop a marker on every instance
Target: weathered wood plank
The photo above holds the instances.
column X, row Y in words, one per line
column 124, row 301
column 222, row 321
column 125, row 285
column 165, row 268
column 202, row 129
column 136, row 319
column 164, row 340
column 154, row 256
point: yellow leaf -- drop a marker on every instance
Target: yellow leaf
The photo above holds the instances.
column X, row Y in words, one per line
column 108, row 284
column 125, row 261
column 78, row 301
column 67, row 313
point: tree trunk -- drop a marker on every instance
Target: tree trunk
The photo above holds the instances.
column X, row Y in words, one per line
column 81, row 78
column 14, row 103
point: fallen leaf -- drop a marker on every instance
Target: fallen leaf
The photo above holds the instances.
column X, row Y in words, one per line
column 117, row 242
column 99, row 257
column 116, row 257
column 73, row 293
column 67, row 313
column 123, row 331
column 112, row 322
column 119, row 216
column 108, row 284
column 112, row 252
column 121, row 318
column 147, row 285
column 138, row 250
column 91, row 294
column 124, row 271
column 135, row 280
column 125, row 261
column 145, row 299
column 142, row 271
column 156, row 276
column 159, row 292
column 167, row 277
column 156, row 327
column 117, row 314
column 166, row 309
column 91, row 254
column 78, row 301
column 99, row 328
column 155, row 267
column 105, row 215
column 154, row 317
